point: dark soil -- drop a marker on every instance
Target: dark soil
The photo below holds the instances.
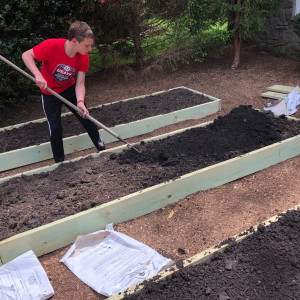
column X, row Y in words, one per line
column 110, row 115
column 30, row 201
column 265, row 265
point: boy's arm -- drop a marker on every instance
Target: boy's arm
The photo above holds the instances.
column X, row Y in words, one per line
column 29, row 60
column 80, row 92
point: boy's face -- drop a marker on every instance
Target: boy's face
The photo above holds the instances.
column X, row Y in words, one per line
column 85, row 46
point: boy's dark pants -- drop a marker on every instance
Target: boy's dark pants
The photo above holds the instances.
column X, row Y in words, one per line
column 52, row 108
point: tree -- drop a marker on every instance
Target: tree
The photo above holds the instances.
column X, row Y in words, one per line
column 23, row 25
column 203, row 22
column 124, row 25
column 246, row 19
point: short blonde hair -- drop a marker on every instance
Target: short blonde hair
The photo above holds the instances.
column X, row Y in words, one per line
column 80, row 31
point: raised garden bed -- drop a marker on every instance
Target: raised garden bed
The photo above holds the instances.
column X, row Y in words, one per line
column 85, row 195
column 261, row 263
column 29, row 143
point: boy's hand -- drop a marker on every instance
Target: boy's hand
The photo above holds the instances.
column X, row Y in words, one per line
column 83, row 108
column 41, row 82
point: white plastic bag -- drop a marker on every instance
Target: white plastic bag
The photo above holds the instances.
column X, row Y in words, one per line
column 293, row 99
column 110, row 261
column 24, row 279
column 277, row 107
column 287, row 105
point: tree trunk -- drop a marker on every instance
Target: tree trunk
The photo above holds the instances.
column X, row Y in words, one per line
column 237, row 40
column 237, row 51
column 137, row 39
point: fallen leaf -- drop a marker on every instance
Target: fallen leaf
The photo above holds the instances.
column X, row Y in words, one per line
column 171, row 214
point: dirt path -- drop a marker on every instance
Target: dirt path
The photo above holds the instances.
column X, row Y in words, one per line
column 198, row 222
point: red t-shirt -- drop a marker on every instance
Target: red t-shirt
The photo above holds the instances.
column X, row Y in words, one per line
column 57, row 67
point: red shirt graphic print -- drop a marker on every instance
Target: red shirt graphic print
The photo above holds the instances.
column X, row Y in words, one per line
column 63, row 73
column 57, row 67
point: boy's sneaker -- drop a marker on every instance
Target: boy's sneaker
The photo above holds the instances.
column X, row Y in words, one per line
column 101, row 145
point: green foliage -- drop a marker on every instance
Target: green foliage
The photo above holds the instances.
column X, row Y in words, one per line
column 296, row 24
column 195, row 48
column 174, row 30
column 167, row 10
column 124, row 27
column 211, row 42
column 110, row 20
column 23, row 24
column 194, row 33
column 200, row 15
column 251, row 16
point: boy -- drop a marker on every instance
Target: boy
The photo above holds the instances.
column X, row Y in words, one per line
column 61, row 59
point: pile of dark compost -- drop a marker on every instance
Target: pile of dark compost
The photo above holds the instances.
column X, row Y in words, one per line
column 27, row 202
column 121, row 112
column 265, row 265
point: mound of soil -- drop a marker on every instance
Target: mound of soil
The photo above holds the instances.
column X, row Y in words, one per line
column 265, row 265
column 111, row 115
column 30, row 201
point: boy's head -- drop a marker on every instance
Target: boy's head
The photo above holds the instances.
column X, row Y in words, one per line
column 80, row 31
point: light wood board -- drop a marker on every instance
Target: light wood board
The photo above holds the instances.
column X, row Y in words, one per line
column 281, row 89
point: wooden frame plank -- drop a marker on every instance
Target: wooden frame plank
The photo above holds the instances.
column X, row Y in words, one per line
column 33, row 154
column 60, row 233
column 282, row 89
column 273, row 95
column 201, row 257
column 278, row 91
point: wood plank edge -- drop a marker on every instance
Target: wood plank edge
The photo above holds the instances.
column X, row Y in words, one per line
column 282, row 89
column 273, row 95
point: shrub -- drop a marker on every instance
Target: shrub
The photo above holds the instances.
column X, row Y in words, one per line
column 24, row 24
